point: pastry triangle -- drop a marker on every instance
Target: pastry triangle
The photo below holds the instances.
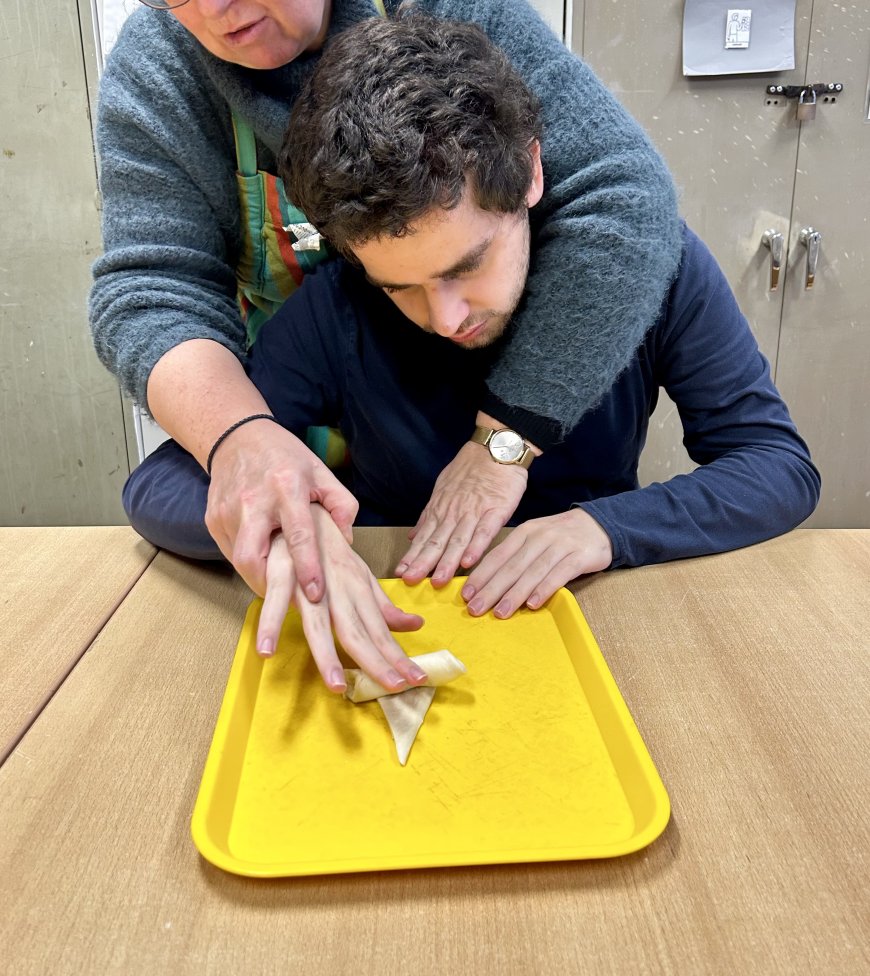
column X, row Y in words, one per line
column 405, row 713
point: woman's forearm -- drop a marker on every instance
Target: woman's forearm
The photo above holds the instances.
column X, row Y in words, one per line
column 197, row 390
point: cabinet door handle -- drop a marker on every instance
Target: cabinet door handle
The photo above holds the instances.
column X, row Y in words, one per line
column 811, row 239
column 773, row 240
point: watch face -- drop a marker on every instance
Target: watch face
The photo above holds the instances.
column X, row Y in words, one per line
column 506, row 446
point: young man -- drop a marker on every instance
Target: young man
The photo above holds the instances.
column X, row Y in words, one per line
column 425, row 175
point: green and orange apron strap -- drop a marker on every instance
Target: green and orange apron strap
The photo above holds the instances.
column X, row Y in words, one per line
column 269, row 270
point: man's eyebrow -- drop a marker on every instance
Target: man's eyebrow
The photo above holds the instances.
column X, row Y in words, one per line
column 466, row 263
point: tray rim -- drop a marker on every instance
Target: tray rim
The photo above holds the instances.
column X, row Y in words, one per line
column 245, row 657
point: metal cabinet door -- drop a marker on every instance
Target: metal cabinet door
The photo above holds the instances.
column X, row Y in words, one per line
column 732, row 151
column 823, row 368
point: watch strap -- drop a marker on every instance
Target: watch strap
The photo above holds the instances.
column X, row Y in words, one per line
column 526, row 458
column 482, row 435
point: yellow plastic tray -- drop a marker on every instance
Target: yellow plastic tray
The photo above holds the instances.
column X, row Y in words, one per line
column 531, row 756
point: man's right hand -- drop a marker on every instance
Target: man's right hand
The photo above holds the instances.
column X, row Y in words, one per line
column 264, row 479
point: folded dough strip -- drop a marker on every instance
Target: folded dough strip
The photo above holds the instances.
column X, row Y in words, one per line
column 440, row 667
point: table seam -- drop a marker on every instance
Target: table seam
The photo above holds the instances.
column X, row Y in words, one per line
column 13, row 743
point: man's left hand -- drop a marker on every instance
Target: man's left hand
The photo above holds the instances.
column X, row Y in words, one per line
column 473, row 498
column 536, row 559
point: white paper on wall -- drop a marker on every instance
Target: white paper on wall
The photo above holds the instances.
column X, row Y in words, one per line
column 722, row 40
column 111, row 15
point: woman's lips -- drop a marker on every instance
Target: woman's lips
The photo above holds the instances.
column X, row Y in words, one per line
column 246, row 34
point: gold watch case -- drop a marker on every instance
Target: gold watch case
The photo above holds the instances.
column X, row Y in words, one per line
column 505, row 446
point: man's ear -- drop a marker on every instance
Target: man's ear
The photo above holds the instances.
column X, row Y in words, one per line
column 536, row 187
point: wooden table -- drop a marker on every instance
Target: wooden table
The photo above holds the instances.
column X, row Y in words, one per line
column 747, row 674
column 58, row 587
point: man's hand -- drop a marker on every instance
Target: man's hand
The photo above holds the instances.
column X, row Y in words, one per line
column 472, row 499
column 536, row 559
column 354, row 606
column 262, row 479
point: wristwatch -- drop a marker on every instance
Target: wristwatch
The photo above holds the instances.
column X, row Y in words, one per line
column 504, row 445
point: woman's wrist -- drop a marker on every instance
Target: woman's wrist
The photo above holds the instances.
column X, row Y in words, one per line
column 231, row 430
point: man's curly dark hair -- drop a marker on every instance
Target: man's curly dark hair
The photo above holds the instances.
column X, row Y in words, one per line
column 398, row 117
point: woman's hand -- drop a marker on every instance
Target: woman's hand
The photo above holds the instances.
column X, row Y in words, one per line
column 536, row 559
column 262, row 479
column 473, row 498
column 353, row 605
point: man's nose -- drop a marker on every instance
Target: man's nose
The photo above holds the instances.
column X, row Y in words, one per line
column 447, row 308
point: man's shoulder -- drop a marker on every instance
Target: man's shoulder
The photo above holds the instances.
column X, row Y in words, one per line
column 698, row 278
column 696, row 259
column 700, row 307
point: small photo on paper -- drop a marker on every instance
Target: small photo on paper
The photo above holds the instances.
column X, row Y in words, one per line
column 737, row 28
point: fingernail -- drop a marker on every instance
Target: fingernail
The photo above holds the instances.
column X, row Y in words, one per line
column 503, row 609
column 266, row 648
column 393, row 678
column 312, row 591
column 417, row 673
column 468, row 591
column 337, row 680
column 476, row 606
column 401, row 568
column 533, row 602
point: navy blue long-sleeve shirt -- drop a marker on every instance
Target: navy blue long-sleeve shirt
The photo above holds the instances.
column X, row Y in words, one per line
column 341, row 353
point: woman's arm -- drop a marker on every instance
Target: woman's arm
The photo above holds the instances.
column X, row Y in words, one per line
column 607, row 242
column 263, row 478
column 170, row 206
column 163, row 308
column 605, row 249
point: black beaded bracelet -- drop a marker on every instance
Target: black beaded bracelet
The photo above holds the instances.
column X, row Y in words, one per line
column 229, row 430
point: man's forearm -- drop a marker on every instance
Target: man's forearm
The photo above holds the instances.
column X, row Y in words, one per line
column 199, row 389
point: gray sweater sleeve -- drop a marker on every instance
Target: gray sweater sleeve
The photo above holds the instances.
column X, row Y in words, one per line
column 607, row 243
column 170, row 209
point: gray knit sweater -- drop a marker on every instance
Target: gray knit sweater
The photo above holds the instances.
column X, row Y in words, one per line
column 607, row 237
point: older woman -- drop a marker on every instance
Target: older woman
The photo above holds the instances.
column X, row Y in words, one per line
column 201, row 245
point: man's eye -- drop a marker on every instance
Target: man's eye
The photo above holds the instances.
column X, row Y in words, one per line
column 390, row 290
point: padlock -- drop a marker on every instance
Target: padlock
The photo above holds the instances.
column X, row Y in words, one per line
column 806, row 107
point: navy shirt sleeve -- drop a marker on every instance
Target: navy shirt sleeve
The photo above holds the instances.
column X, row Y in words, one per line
column 755, row 479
